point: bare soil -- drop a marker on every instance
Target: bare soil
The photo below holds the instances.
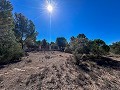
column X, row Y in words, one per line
column 54, row 70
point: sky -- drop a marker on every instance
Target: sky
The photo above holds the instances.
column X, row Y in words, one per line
column 97, row 19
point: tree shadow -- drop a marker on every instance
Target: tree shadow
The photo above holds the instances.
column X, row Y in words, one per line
column 107, row 62
column 3, row 65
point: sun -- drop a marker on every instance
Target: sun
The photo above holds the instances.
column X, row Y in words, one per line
column 50, row 8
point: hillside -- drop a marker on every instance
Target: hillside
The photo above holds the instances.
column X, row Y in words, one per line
column 57, row 71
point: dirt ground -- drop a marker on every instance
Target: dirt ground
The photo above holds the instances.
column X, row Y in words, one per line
column 54, row 70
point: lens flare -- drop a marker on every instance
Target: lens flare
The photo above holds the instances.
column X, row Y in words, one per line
column 50, row 8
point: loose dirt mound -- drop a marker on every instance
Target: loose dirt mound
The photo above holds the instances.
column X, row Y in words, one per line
column 57, row 71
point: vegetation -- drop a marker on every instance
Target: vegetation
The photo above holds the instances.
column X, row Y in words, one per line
column 54, row 46
column 18, row 34
column 115, row 48
column 10, row 49
column 88, row 69
column 15, row 33
column 82, row 45
column 44, row 44
column 61, row 42
column 24, row 30
column 99, row 47
column 83, row 48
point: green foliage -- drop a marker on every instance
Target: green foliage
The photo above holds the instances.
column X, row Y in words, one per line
column 24, row 29
column 79, row 44
column 82, row 50
column 44, row 44
column 54, row 46
column 82, row 45
column 61, row 42
column 10, row 49
column 68, row 50
column 115, row 48
column 31, row 45
column 98, row 47
column 31, row 33
column 38, row 42
column 5, row 8
column 81, row 36
column 6, row 19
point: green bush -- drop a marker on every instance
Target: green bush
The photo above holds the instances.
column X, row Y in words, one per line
column 98, row 47
column 115, row 48
column 85, row 49
column 68, row 50
column 82, row 50
column 77, row 58
column 10, row 49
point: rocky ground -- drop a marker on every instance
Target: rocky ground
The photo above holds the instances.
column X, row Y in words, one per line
column 57, row 71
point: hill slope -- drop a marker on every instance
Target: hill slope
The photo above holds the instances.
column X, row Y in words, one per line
column 57, row 71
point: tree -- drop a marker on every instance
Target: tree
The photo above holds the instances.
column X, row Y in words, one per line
column 30, row 44
column 44, row 44
column 99, row 47
column 61, row 42
column 6, row 19
column 10, row 49
column 81, row 36
column 72, row 38
column 24, row 29
column 31, row 33
column 79, row 44
column 30, row 40
column 99, row 42
column 20, row 27
column 115, row 48
column 53, row 46
column 39, row 42
column 82, row 45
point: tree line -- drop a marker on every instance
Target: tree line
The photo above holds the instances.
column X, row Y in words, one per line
column 18, row 34
column 16, row 31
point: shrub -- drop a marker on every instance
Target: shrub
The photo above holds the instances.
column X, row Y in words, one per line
column 99, row 47
column 68, row 50
column 77, row 58
column 82, row 50
column 61, row 42
column 85, row 49
column 10, row 50
column 115, row 48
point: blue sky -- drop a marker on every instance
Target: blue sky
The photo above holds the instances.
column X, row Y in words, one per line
column 94, row 18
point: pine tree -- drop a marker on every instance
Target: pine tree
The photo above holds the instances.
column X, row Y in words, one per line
column 9, row 48
column 61, row 42
column 24, row 29
column 44, row 44
column 21, row 27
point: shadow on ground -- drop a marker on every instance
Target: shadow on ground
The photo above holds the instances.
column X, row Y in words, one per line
column 2, row 65
column 107, row 62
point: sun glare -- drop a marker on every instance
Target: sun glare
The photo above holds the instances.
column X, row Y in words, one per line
column 50, row 8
